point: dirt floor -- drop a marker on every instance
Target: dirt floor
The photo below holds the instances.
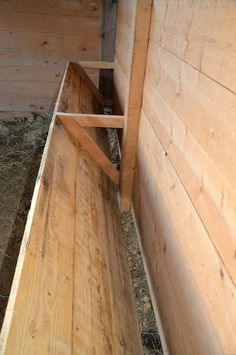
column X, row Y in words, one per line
column 22, row 138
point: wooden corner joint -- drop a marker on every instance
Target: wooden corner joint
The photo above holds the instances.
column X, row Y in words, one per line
column 79, row 135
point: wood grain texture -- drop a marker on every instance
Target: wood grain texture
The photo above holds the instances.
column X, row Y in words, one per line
column 105, row 317
column 79, row 135
column 123, row 48
column 79, row 93
column 46, row 277
column 192, row 286
column 137, row 64
column 73, row 292
column 97, row 65
column 202, row 150
column 92, row 120
column 53, row 7
column 33, row 39
column 202, row 33
column 184, row 194
column 36, row 37
column 63, row 25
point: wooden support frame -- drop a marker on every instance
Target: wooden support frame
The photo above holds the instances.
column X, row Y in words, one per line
column 77, row 119
column 140, row 33
column 89, row 120
column 79, row 135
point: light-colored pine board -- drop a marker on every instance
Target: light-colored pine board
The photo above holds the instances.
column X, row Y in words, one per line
column 79, row 135
column 199, row 168
column 44, row 35
column 42, row 23
column 43, row 57
column 97, row 65
column 151, row 286
column 72, row 263
column 21, row 40
column 72, row 290
column 25, row 103
column 104, row 317
column 102, row 121
column 203, row 106
column 53, row 7
column 139, row 38
column 202, row 34
column 194, row 291
column 120, row 89
column 39, row 315
column 30, row 74
column 123, row 48
column 35, row 89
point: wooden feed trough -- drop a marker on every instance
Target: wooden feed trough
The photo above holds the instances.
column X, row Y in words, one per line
column 174, row 99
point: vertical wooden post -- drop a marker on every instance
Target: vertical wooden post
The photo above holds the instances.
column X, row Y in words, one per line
column 107, row 45
column 140, row 34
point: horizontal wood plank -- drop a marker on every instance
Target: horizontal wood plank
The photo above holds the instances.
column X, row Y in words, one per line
column 200, row 33
column 104, row 308
column 97, row 65
column 10, row 40
column 47, row 23
column 92, row 120
column 43, row 57
column 200, row 103
column 53, row 7
column 174, row 238
column 44, row 35
column 44, row 250
column 208, row 187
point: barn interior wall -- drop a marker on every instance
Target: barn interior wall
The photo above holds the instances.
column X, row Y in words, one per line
column 37, row 38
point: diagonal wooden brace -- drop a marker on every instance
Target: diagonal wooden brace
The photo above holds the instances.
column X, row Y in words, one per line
column 79, row 134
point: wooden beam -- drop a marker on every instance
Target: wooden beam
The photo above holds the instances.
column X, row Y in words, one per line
column 79, row 135
column 107, row 45
column 87, row 120
column 140, row 33
column 97, row 65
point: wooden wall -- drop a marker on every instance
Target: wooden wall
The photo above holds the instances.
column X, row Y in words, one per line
column 122, row 52
column 37, row 38
column 185, row 185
